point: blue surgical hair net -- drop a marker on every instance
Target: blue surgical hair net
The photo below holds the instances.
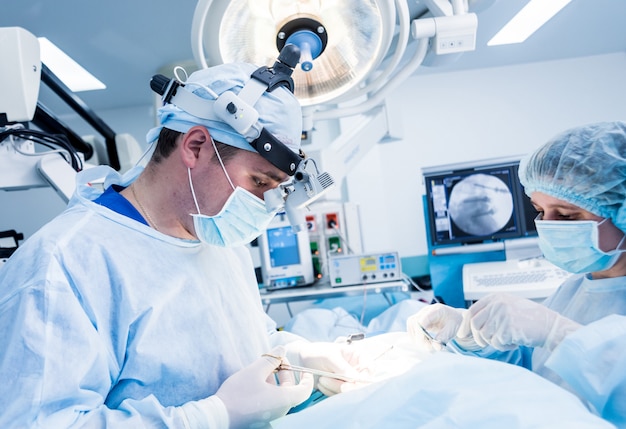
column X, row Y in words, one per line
column 585, row 166
column 279, row 111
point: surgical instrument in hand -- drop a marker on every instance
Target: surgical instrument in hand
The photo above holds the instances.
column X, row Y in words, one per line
column 431, row 338
column 289, row 367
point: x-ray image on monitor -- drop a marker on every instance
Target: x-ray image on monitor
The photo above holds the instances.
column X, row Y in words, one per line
column 481, row 204
column 474, row 203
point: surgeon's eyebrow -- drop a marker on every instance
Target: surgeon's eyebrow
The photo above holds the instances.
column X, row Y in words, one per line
column 564, row 205
column 280, row 178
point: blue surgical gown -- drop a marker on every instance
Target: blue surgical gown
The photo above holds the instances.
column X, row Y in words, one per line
column 105, row 322
column 599, row 305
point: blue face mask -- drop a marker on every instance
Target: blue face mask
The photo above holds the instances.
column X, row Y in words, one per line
column 574, row 245
column 242, row 219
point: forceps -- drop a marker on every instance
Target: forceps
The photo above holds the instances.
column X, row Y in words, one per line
column 431, row 338
column 287, row 367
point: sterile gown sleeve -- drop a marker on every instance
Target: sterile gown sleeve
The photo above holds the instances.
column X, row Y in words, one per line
column 106, row 323
column 593, row 361
column 63, row 372
column 581, row 299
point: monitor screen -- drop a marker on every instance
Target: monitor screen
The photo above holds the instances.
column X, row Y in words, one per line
column 285, row 255
column 282, row 244
column 476, row 204
column 528, row 211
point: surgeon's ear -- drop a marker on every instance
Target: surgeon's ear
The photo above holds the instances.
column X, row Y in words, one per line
column 193, row 142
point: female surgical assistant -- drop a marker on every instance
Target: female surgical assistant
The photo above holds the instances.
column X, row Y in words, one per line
column 577, row 337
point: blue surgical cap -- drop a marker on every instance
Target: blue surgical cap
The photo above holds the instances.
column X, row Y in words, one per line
column 585, row 166
column 279, row 111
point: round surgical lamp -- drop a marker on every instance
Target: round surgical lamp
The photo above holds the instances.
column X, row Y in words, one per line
column 342, row 41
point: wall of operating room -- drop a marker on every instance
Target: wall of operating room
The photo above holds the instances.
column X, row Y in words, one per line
column 443, row 118
column 473, row 115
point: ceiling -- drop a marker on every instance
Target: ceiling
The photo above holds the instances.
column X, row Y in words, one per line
column 124, row 43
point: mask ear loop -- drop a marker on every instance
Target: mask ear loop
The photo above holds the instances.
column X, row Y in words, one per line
column 193, row 192
column 219, row 158
column 619, row 247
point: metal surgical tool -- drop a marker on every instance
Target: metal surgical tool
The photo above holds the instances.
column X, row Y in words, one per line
column 432, row 339
column 287, row 367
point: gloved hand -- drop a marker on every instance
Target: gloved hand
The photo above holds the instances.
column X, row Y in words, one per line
column 440, row 320
column 330, row 357
column 253, row 396
column 508, row 321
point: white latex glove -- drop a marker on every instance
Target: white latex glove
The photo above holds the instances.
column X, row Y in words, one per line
column 330, row 357
column 508, row 321
column 256, row 395
column 440, row 320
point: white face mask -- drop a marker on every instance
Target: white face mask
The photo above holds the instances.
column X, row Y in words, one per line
column 242, row 219
column 574, row 245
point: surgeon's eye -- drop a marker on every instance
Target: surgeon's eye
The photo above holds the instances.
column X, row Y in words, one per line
column 259, row 183
column 567, row 216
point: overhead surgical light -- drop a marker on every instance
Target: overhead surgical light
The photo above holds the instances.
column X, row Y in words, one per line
column 354, row 52
column 353, row 36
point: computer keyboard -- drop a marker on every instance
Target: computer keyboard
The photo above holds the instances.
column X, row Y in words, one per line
column 522, row 277
column 534, row 278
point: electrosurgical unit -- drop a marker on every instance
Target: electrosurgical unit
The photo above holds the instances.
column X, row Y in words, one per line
column 348, row 270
